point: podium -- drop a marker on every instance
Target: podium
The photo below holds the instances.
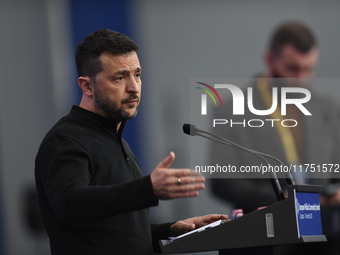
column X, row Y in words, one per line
column 297, row 219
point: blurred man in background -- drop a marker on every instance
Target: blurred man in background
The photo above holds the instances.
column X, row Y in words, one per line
column 291, row 60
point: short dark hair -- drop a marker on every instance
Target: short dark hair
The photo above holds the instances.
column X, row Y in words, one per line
column 95, row 44
column 294, row 33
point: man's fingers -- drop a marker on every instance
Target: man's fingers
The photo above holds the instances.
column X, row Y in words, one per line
column 180, row 181
column 189, row 190
column 184, row 172
column 186, row 227
column 171, row 183
column 214, row 217
column 184, row 194
column 187, row 187
column 167, row 161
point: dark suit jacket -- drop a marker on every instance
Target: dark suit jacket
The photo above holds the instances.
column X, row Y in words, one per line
column 322, row 140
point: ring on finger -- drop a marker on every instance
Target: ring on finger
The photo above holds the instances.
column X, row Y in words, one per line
column 179, row 181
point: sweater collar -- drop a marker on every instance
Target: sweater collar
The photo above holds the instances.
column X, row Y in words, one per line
column 98, row 119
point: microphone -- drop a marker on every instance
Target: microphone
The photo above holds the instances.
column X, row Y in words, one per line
column 192, row 130
column 189, row 129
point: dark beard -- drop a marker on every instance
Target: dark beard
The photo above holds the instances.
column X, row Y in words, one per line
column 111, row 110
column 276, row 75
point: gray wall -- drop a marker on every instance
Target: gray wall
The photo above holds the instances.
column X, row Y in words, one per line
column 178, row 40
column 28, row 108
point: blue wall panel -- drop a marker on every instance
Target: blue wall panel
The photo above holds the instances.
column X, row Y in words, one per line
column 88, row 16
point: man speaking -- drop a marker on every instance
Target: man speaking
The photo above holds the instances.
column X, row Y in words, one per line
column 92, row 194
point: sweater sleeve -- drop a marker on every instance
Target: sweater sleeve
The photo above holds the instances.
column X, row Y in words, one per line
column 159, row 232
column 62, row 171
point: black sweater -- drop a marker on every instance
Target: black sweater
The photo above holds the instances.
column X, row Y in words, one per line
column 92, row 194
